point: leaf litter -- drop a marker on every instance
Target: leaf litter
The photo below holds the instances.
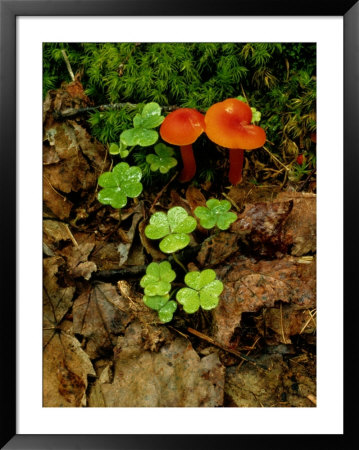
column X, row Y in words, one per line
column 103, row 347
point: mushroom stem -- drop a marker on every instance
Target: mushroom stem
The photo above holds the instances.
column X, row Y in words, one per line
column 235, row 165
column 189, row 163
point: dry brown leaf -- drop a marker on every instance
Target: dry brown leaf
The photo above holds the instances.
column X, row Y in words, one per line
column 173, row 377
column 250, row 286
column 54, row 232
column 54, row 201
column 65, row 370
column 127, row 237
column 195, row 198
column 77, row 259
column 218, row 248
column 299, row 231
column 100, row 314
column 287, row 321
column 280, row 386
column 57, row 297
column 260, row 226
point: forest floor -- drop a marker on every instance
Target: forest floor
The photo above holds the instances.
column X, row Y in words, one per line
column 104, row 347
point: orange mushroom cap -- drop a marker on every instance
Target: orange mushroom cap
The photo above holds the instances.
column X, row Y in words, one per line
column 228, row 125
column 182, row 127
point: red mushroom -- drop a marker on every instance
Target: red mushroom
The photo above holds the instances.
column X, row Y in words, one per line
column 228, row 124
column 182, row 127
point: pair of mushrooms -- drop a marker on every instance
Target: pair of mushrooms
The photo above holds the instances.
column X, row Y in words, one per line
column 227, row 124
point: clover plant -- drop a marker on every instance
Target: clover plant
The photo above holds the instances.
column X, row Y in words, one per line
column 162, row 305
column 122, row 182
column 215, row 214
column 142, row 132
column 157, row 285
column 157, row 280
column 120, row 149
column 163, row 159
column 203, row 290
column 173, row 228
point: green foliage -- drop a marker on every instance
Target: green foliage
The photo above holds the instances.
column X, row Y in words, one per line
column 216, row 213
column 142, row 133
column 173, row 228
column 162, row 304
column 158, row 278
column 277, row 79
column 122, row 182
column 203, row 290
column 163, row 159
column 157, row 285
column 120, row 149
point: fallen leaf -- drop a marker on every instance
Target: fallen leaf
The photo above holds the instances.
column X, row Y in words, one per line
column 195, row 198
column 57, row 299
column 65, row 370
column 247, row 386
column 287, row 321
column 217, row 248
column 174, row 377
column 100, row 314
column 54, row 233
column 260, row 226
column 77, row 259
column 299, row 231
column 56, row 202
column 127, row 237
column 250, row 286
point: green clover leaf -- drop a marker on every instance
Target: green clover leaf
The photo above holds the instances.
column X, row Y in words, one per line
column 157, row 280
column 203, row 290
column 142, row 133
column 139, row 136
column 162, row 305
column 166, row 312
column 150, row 116
column 119, row 150
column 163, row 159
column 122, row 182
column 173, row 227
column 216, row 213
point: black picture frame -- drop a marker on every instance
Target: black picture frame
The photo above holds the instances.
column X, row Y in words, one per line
column 9, row 10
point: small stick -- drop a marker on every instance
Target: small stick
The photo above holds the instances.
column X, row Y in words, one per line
column 229, row 350
column 68, row 65
column 158, row 196
column 276, row 159
column 312, row 398
column 232, row 201
column 311, row 318
column 71, row 235
column 249, row 351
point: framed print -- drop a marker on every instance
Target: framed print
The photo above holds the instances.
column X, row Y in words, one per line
column 173, row 223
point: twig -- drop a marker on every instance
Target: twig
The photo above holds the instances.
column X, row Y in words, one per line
column 312, row 398
column 249, row 351
column 311, row 318
column 68, row 65
column 226, row 349
column 158, row 196
column 276, row 159
column 71, row 235
column 232, row 201
column 72, row 112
